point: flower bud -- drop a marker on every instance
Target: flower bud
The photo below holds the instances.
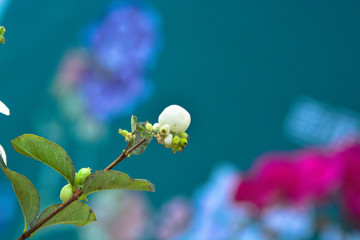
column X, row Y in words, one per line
column 183, row 135
column 177, row 118
column 156, row 126
column 177, row 149
column 168, row 139
column 82, row 175
column 124, row 133
column 165, row 129
column 175, row 140
column 66, row 193
column 183, row 142
column 149, row 127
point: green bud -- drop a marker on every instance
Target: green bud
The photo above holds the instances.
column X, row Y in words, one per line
column 76, row 183
column 149, row 127
column 66, row 193
column 124, row 133
column 129, row 137
column 176, row 140
column 82, row 175
column 183, row 142
column 183, row 135
column 176, row 149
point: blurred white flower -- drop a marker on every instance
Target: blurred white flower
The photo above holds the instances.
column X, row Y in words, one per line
column 4, row 109
column 3, row 154
column 176, row 117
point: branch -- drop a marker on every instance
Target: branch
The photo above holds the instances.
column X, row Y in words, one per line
column 125, row 154
column 78, row 192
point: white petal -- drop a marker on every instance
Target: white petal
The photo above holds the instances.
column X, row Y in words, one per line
column 3, row 154
column 4, row 109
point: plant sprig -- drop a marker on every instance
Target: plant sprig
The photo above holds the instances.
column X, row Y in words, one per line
column 77, row 194
column 74, row 210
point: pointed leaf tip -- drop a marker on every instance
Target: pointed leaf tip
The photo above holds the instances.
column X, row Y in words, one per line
column 26, row 193
column 47, row 152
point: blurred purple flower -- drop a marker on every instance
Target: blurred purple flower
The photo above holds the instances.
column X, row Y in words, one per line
column 124, row 40
column 108, row 77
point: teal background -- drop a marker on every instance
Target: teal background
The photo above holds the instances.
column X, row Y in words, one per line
column 236, row 66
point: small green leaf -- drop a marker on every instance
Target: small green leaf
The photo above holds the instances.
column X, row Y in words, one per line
column 105, row 180
column 140, row 133
column 146, row 135
column 26, row 193
column 77, row 213
column 47, row 152
column 2, row 31
column 134, row 122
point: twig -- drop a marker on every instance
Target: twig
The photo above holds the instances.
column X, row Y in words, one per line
column 125, row 154
column 78, row 192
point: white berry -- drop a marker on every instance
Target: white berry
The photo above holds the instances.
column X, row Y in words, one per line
column 176, row 117
column 168, row 139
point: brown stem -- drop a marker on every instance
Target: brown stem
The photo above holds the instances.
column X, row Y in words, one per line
column 78, row 192
column 124, row 154
column 73, row 198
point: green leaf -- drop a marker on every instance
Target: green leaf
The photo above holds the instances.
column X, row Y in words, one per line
column 2, row 31
column 134, row 122
column 77, row 213
column 47, row 152
column 142, row 147
column 105, row 180
column 140, row 133
column 26, row 193
column 145, row 134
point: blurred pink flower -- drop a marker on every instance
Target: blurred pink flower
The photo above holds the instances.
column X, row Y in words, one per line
column 320, row 174
column 350, row 158
column 279, row 176
column 250, row 190
column 350, row 187
column 351, row 206
column 297, row 177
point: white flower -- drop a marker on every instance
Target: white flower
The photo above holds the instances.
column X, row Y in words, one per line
column 156, row 126
column 4, row 109
column 165, row 129
column 177, row 118
column 3, row 154
column 168, row 139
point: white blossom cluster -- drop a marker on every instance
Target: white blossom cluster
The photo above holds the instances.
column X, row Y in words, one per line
column 171, row 127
